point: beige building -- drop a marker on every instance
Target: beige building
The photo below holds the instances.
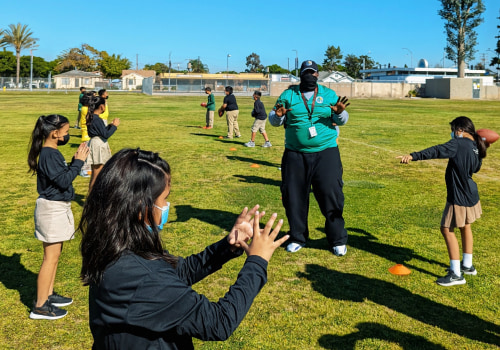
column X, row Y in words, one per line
column 132, row 79
column 74, row 79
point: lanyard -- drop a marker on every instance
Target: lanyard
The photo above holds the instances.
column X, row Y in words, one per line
column 310, row 111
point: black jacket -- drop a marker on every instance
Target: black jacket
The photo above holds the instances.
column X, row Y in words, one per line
column 463, row 162
column 98, row 128
column 259, row 112
column 148, row 304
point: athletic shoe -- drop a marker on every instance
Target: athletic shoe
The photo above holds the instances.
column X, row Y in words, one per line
column 47, row 312
column 294, row 247
column 77, row 127
column 58, row 300
column 238, row 136
column 227, row 137
column 340, row 250
column 249, row 144
column 468, row 270
column 267, row 144
column 451, row 279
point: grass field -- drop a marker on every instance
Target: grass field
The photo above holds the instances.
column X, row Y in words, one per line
column 313, row 300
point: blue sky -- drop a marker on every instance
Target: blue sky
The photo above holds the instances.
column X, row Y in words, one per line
column 154, row 29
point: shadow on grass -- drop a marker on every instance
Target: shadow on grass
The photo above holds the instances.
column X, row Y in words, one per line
column 224, row 219
column 369, row 330
column 13, row 275
column 368, row 243
column 79, row 199
column 345, row 286
column 250, row 160
column 258, row 179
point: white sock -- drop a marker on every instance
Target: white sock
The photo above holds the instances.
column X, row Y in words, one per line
column 455, row 267
column 467, row 260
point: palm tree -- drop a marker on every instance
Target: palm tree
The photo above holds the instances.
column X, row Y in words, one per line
column 19, row 37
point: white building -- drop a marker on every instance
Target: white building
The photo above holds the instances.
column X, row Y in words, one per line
column 421, row 73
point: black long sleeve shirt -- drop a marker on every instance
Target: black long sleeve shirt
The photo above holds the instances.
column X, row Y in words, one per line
column 54, row 177
column 98, row 128
column 259, row 111
column 463, row 161
column 149, row 304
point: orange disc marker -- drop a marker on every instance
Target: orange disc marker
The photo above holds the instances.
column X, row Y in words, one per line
column 400, row 270
column 221, row 137
column 232, row 149
column 255, row 165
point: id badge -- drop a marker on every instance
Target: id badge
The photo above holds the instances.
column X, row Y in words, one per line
column 312, row 131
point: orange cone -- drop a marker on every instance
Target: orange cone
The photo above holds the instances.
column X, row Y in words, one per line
column 400, row 270
column 255, row 165
column 232, row 149
column 221, row 137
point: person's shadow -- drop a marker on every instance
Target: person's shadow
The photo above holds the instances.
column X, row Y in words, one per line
column 223, row 219
column 370, row 330
column 258, row 179
column 369, row 243
column 253, row 161
column 346, row 286
column 13, row 275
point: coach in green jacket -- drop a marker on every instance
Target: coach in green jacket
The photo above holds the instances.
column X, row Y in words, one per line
column 310, row 114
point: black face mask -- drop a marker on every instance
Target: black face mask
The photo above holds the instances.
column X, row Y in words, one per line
column 308, row 82
column 64, row 141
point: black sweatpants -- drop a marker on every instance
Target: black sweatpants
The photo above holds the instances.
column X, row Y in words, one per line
column 322, row 170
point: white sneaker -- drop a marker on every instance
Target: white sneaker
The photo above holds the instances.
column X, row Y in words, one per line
column 249, row 144
column 294, row 247
column 340, row 250
column 267, row 144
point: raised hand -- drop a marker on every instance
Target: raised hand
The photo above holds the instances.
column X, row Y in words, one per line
column 242, row 230
column 116, row 121
column 82, row 152
column 341, row 105
column 264, row 241
column 281, row 110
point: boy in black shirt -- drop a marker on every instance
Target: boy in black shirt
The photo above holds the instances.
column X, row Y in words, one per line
column 260, row 115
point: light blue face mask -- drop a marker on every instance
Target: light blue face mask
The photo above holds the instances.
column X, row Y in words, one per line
column 164, row 216
column 453, row 136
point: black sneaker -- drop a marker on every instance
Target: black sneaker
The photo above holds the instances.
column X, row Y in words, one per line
column 47, row 312
column 58, row 300
column 450, row 280
column 468, row 270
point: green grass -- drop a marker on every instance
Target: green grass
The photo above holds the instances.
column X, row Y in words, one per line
column 313, row 300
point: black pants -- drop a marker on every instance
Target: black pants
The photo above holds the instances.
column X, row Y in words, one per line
column 322, row 170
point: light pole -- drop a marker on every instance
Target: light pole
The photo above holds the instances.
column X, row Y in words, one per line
column 296, row 62
column 411, row 56
column 227, row 66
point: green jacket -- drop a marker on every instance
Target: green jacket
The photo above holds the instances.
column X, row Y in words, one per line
column 297, row 123
column 211, row 102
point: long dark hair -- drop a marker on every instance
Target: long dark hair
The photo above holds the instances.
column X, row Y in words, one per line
column 116, row 211
column 92, row 102
column 466, row 125
column 43, row 127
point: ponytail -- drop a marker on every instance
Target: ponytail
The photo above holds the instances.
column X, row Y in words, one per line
column 93, row 103
column 481, row 145
column 466, row 125
column 43, row 127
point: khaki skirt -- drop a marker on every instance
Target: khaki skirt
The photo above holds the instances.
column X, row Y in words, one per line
column 100, row 152
column 54, row 221
column 458, row 216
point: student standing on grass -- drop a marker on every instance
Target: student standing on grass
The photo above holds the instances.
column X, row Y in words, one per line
column 309, row 113
column 260, row 115
column 104, row 115
column 100, row 152
column 54, row 222
column 140, row 296
column 82, row 93
column 465, row 152
column 210, row 109
column 231, row 107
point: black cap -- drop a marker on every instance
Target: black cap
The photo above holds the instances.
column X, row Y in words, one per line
column 309, row 64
